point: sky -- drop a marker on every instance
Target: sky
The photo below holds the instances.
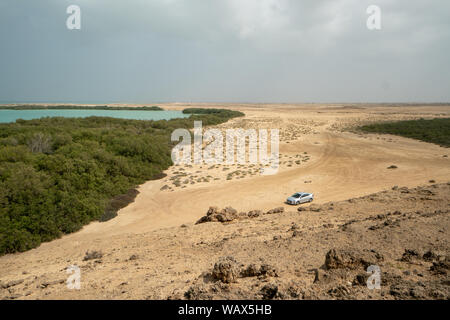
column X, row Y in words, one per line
column 280, row 51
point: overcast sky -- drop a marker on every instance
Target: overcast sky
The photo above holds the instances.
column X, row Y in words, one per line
column 146, row 51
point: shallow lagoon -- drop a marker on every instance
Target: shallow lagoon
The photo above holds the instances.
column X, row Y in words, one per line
column 12, row 115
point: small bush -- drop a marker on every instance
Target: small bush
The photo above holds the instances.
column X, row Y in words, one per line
column 435, row 130
column 40, row 143
column 91, row 255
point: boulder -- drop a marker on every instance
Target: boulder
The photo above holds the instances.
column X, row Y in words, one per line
column 90, row 255
column 276, row 210
column 212, row 211
column 440, row 268
column 269, row 291
column 409, row 255
column 315, row 208
column 214, row 215
column 430, row 256
column 350, row 259
column 264, row 270
column 226, row 270
column 361, row 279
column 254, row 213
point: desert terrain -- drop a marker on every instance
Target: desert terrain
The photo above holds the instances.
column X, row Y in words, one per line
column 364, row 213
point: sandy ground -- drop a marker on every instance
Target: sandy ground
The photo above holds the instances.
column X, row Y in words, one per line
column 318, row 154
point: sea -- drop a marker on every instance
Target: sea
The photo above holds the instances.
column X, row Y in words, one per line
column 7, row 116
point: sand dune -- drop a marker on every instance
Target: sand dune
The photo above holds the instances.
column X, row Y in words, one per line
column 334, row 163
column 342, row 165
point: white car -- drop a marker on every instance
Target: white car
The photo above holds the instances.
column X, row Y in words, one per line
column 299, row 198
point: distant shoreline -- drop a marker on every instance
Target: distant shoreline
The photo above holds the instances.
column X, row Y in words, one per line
column 76, row 107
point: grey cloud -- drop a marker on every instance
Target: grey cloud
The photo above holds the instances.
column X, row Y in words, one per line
column 224, row 50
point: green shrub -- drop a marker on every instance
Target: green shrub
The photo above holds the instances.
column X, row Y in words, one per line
column 58, row 174
column 435, row 130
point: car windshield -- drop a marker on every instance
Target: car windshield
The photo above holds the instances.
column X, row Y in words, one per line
column 297, row 195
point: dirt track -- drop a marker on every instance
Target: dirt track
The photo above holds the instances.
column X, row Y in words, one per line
column 342, row 166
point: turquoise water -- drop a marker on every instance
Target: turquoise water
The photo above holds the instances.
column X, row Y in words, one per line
column 13, row 115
